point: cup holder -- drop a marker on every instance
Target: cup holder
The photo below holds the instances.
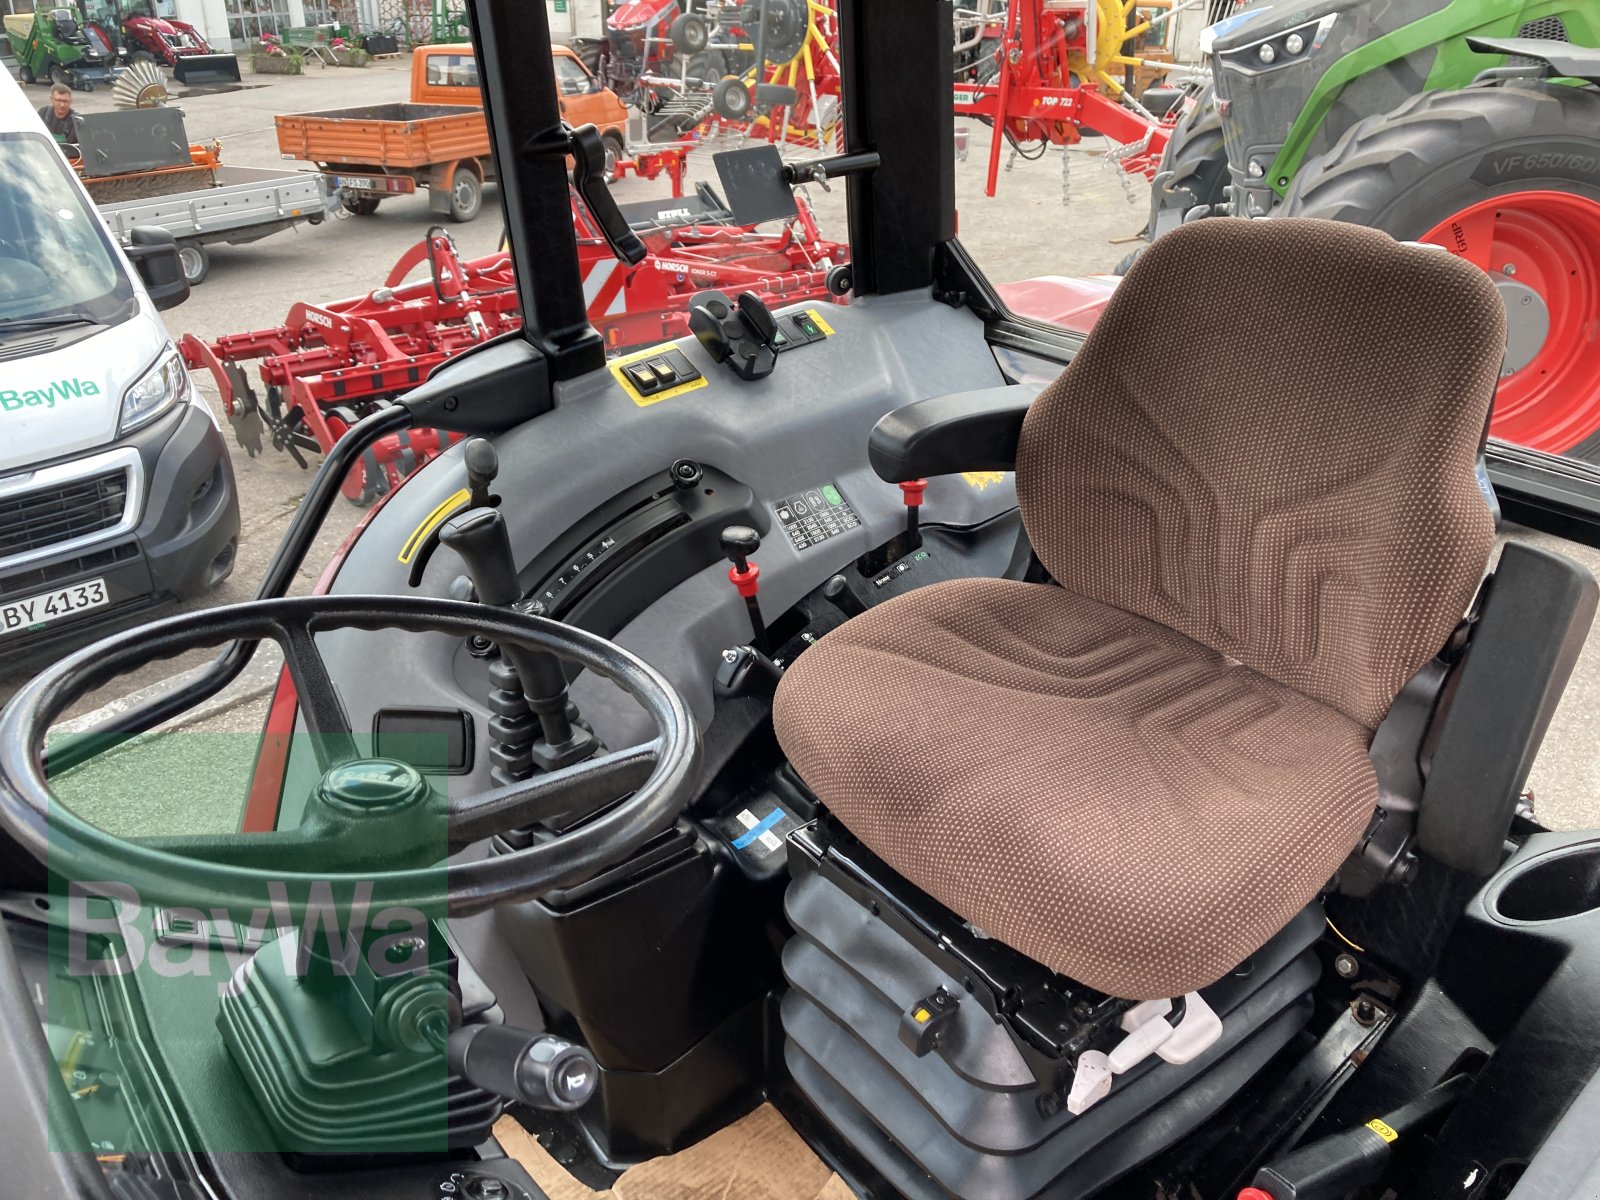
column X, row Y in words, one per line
column 1563, row 883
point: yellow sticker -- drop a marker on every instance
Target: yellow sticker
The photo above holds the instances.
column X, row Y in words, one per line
column 447, row 508
column 1382, row 1130
column 982, row 479
column 616, row 365
column 827, row 330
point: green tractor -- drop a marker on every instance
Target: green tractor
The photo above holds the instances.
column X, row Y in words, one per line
column 1437, row 122
column 57, row 47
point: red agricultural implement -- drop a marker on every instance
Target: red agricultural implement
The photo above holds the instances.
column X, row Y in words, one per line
column 328, row 365
column 1054, row 74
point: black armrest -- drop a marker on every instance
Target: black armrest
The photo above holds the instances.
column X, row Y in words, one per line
column 1525, row 643
column 964, row 431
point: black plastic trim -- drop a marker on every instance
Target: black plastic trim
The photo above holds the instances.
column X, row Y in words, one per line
column 896, row 63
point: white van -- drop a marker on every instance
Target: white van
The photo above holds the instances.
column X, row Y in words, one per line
column 116, row 491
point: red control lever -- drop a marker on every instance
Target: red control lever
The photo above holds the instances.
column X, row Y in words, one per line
column 912, row 490
column 739, row 542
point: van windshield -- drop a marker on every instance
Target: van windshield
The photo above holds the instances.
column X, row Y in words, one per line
column 56, row 259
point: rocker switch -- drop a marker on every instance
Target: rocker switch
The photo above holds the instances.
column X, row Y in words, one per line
column 922, row 1025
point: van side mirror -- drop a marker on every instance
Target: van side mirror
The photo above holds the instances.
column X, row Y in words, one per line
column 154, row 254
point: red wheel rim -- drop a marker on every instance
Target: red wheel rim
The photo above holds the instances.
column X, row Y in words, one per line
column 1546, row 243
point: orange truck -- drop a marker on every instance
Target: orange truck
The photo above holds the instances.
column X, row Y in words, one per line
column 437, row 140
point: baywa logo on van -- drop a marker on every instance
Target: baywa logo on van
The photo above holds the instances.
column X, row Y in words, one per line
column 12, row 400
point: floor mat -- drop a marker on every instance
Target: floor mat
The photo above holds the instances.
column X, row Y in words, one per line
column 756, row 1158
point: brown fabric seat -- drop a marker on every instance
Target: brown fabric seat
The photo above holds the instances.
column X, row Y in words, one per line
column 1262, row 520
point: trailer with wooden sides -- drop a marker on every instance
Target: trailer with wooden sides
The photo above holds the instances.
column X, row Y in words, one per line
column 382, row 150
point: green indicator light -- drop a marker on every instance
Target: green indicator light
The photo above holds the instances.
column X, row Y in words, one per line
column 831, row 494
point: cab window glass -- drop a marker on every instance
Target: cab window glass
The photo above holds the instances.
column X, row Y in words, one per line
column 1119, row 123
column 452, row 70
column 571, row 78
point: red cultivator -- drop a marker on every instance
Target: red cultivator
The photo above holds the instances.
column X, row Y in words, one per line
column 328, row 365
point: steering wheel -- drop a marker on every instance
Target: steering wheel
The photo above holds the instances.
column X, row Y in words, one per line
column 369, row 821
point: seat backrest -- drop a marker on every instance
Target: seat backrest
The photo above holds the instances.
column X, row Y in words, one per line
column 1268, row 443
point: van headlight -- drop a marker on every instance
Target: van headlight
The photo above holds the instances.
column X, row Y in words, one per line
column 162, row 386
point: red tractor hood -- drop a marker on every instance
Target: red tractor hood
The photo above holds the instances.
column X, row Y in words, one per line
column 634, row 14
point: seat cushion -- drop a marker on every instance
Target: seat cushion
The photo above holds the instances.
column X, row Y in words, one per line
column 1105, row 795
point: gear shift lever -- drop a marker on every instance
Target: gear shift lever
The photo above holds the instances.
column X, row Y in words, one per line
column 739, row 542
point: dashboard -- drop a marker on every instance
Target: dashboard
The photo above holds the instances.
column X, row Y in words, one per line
column 614, row 501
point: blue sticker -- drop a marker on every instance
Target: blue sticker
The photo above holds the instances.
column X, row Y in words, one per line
column 751, row 834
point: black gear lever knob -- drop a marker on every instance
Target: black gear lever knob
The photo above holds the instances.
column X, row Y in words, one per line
column 483, row 464
column 739, row 542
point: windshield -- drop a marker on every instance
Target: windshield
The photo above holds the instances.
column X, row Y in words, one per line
column 55, row 257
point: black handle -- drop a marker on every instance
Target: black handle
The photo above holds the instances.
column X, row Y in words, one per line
column 588, row 176
column 539, row 1069
column 739, row 542
column 838, row 593
column 820, row 170
column 479, row 537
column 483, row 464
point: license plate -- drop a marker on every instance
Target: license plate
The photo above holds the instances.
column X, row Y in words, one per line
column 31, row 612
column 369, row 183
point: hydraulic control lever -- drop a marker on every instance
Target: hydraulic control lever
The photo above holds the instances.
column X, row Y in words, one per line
column 539, row 1069
column 479, row 537
column 739, row 542
column 911, row 490
column 589, row 178
column 742, row 334
column 483, row 464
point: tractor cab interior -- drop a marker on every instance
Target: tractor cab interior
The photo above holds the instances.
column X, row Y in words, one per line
column 880, row 749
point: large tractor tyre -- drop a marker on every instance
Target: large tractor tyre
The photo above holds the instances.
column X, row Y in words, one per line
column 143, row 56
column 708, row 66
column 1194, row 167
column 1508, row 178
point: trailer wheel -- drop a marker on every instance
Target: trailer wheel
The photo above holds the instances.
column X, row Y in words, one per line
column 731, row 99
column 466, row 195
column 615, row 153
column 689, row 33
column 361, row 206
column 1508, row 178
column 196, row 262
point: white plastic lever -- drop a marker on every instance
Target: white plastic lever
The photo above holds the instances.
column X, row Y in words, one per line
column 1195, row 1034
column 1091, row 1082
column 1139, row 1045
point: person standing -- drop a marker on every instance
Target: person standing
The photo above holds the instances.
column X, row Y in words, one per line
column 58, row 116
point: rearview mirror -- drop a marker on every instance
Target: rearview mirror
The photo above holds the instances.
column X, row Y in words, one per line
column 154, row 254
